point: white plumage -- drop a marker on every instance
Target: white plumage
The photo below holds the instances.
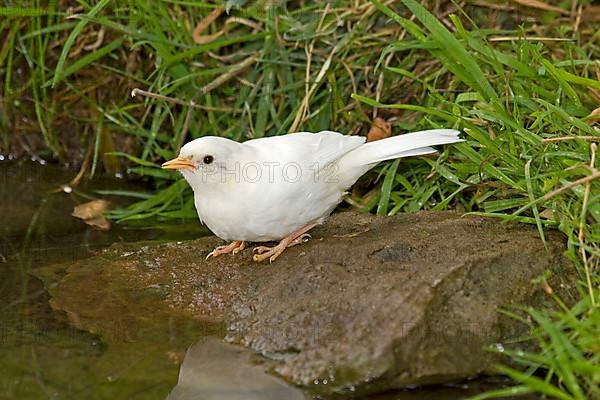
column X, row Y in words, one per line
column 266, row 189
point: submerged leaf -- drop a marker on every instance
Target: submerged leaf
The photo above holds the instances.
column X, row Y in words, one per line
column 92, row 213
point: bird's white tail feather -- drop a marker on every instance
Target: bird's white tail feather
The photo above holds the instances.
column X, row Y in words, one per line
column 410, row 144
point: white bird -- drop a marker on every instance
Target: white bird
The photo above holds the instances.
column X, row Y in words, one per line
column 278, row 188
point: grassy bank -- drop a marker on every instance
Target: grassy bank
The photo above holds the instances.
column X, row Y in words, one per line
column 522, row 82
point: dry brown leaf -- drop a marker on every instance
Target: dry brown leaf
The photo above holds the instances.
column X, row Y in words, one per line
column 593, row 117
column 176, row 357
column 380, row 129
column 491, row 132
column 548, row 213
column 202, row 25
column 547, row 288
column 208, row 38
column 92, row 213
column 542, row 6
column 98, row 42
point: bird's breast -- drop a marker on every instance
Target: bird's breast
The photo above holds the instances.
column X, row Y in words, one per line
column 264, row 211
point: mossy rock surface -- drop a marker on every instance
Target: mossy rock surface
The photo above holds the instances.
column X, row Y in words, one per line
column 369, row 303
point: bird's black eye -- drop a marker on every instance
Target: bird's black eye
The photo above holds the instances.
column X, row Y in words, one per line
column 208, row 159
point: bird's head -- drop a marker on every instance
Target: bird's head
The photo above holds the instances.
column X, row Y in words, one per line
column 203, row 160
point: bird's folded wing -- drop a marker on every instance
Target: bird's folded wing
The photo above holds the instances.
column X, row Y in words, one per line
column 306, row 148
column 329, row 146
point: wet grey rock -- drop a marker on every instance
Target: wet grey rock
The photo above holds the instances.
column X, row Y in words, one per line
column 215, row 370
column 370, row 303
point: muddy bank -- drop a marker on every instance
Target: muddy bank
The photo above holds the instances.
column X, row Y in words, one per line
column 370, row 303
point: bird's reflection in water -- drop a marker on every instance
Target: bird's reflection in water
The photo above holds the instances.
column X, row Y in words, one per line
column 215, row 370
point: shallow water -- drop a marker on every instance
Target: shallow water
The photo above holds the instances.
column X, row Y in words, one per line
column 43, row 356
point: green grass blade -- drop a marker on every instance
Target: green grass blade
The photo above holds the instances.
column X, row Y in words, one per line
column 71, row 40
column 23, row 12
column 535, row 383
column 563, row 352
column 499, row 393
column 454, row 50
column 536, row 213
column 386, row 188
column 85, row 61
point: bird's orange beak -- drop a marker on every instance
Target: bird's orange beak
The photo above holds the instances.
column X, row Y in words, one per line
column 179, row 163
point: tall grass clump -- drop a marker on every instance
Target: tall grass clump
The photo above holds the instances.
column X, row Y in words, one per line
column 528, row 110
column 266, row 68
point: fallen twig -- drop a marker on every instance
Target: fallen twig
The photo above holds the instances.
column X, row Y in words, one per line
column 135, row 92
column 529, row 38
column 237, row 68
column 562, row 138
column 582, row 224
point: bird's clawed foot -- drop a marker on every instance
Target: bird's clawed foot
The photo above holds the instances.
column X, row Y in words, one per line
column 300, row 239
column 264, row 252
column 233, row 248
